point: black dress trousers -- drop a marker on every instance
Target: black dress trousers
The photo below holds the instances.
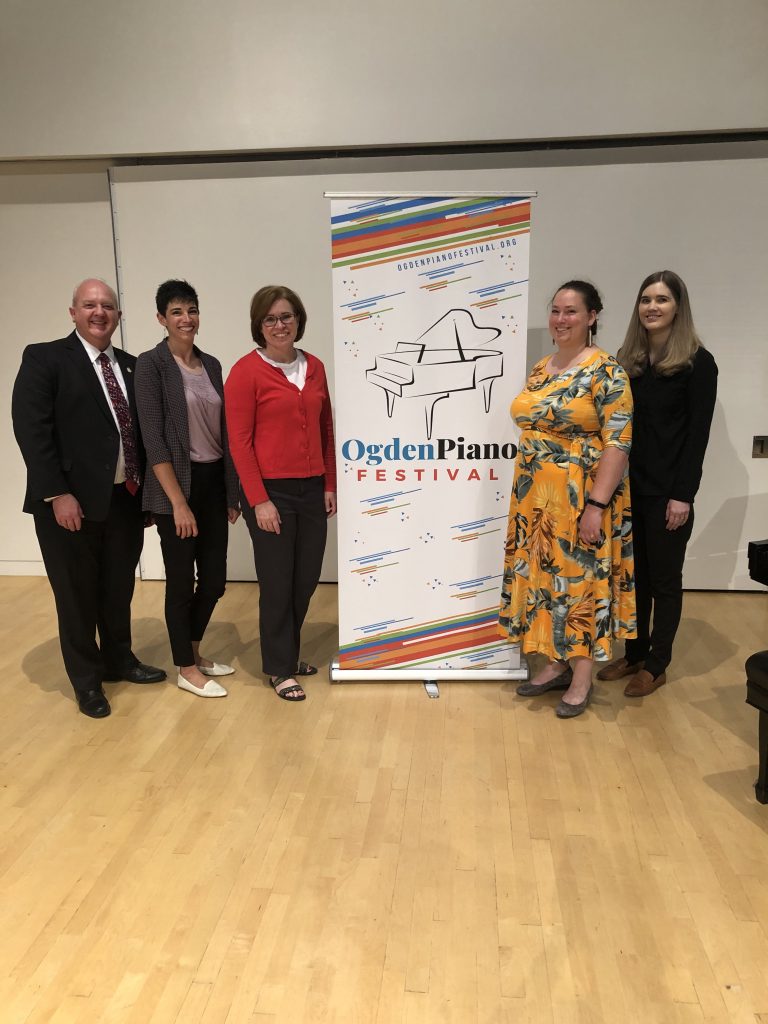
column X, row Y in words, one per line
column 189, row 598
column 659, row 558
column 92, row 572
column 288, row 567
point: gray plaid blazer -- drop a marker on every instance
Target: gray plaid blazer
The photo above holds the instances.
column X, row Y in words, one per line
column 164, row 424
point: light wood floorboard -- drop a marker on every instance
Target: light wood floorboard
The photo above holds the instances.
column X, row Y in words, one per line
column 371, row 855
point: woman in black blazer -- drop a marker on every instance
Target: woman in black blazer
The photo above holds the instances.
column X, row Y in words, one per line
column 674, row 385
column 192, row 490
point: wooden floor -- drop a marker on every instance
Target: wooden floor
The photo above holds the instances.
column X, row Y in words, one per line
column 372, row 855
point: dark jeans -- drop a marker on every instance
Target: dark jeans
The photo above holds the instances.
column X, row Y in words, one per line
column 288, row 567
column 92, row 572
column 659, row 558
column 189, row 602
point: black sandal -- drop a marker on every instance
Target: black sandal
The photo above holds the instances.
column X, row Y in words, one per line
column 305, row 669
column 287, row 691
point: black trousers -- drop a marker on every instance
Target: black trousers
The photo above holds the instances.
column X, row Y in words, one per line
column 189, row 599
column 288, row 567
column 659, row 557
column 92, row 573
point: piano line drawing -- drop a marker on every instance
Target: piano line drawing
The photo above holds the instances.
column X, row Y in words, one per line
column 447, row 357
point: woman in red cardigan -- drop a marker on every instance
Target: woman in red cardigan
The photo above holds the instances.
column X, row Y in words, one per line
column 280, row 430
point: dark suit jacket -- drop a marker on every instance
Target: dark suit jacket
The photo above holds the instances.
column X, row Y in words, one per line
column 165, row 424
column 65, row 428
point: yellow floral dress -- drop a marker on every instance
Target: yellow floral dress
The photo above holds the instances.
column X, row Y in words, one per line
column 561, row 597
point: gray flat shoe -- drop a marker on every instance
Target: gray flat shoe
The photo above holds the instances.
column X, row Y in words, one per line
column 561, row 682
column 564, row 710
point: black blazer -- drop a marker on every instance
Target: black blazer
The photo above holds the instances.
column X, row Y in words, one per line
column 165, row 424
column 65, row 428
column 670, row 429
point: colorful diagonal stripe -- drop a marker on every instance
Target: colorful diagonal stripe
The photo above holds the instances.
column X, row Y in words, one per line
column 423, row 641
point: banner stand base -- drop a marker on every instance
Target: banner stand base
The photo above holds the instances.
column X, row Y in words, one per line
column 424, row 674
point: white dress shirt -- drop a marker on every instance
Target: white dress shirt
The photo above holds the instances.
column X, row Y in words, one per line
column 93, row 354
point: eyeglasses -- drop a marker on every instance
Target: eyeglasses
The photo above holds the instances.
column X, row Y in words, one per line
column 285, row 319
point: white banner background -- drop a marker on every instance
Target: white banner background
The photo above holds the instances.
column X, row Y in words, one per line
column 430, row 316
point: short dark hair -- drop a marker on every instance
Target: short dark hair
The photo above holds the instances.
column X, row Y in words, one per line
column 174, row 289
column 589, row 293
column 264, row 300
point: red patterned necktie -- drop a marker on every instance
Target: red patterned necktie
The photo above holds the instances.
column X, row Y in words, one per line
column 125, row 421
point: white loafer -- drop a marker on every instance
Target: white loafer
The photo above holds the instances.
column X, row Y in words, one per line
column 211, row 689
column 217, row 670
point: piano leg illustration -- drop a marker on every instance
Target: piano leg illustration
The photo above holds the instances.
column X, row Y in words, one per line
column 429, row 410
column 487, row 386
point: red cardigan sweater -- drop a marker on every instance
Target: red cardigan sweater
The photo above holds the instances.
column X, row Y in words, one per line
column 275, row 430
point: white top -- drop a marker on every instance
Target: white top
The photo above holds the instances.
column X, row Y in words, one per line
column 296, row 372
column 93, row 354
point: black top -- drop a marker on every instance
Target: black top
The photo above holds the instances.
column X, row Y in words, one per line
column 671, row 429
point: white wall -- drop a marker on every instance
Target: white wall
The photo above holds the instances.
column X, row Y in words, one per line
column 98, row 77
column 231, row 228
column 230, row 233
column 55, row 231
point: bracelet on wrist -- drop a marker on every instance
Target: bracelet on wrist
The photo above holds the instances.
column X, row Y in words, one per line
column 597, row 504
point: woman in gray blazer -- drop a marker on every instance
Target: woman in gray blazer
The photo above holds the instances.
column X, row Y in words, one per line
column 192, row 489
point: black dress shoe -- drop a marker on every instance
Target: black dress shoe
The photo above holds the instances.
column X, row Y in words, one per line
column 93, row 703
column 137, row 673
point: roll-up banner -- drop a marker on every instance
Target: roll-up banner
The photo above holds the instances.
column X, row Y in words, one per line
column 430, row 298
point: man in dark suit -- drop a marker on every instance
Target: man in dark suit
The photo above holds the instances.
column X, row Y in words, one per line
column 74, row 417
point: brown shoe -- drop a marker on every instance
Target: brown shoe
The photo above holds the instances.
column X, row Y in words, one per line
column 618, row 669
column 643, row 684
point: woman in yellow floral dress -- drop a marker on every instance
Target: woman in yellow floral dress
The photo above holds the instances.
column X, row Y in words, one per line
column 568, row 588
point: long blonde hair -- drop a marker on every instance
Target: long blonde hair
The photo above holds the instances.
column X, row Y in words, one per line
column 683, row 341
